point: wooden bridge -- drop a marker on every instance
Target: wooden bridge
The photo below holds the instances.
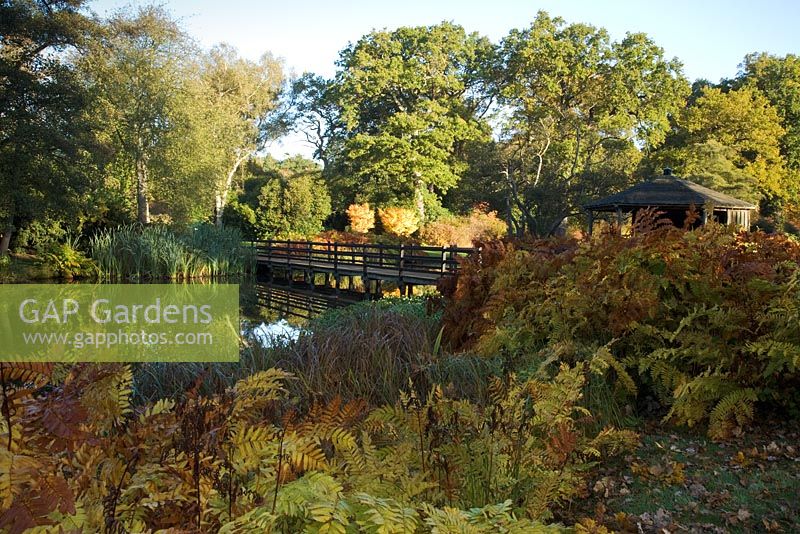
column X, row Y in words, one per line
column 406, row 265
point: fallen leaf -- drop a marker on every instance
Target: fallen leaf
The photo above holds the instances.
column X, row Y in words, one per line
column 697, row 490
column 655, row 470
column 743, row 515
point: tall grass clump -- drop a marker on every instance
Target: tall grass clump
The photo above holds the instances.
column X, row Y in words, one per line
column 158, row 252
column 370, row 351
column 375, row 350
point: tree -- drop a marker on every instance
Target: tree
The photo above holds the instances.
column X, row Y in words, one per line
column 318, row 116
column 44, row 170
column 713, row 164
column 482, row 184
column 282, row 199
column 233, row 102
column 398, row 113
column 779, row 80
column 577, row 108
column 219, row 121
column 134, row 69
column 361, row 217
column 729, row 141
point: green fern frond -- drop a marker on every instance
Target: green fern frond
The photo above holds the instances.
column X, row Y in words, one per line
column 734, row 409
column 383, row 516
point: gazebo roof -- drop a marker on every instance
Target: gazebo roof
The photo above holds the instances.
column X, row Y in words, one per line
column 669, row 192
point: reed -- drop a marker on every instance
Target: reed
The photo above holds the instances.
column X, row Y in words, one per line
column 158, row 252
column 370, row 351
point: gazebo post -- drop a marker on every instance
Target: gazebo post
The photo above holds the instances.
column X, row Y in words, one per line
column 619, row 218
column 591, row 221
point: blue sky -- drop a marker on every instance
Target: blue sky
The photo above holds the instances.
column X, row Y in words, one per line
column 709, row 37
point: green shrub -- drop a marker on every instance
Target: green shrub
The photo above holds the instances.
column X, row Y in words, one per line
column 241, row 216
column 41, row 235
column 68, row 262
column 292, row 206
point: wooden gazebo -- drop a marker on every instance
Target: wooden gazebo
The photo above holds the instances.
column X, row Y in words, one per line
column 674, row 197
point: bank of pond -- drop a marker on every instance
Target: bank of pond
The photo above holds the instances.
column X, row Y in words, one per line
column 137, row 253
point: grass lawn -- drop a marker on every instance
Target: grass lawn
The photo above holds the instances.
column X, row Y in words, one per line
column 680, row 481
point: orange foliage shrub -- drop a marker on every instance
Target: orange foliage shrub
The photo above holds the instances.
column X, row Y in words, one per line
column 76, row 455
column 399, row 221
column 361, row 217
column 336, row 236
column 705, row 320
column 479, row 225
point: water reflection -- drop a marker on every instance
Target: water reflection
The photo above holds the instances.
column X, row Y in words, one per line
column 270, row 334
column 274, row 312
column 272, row 301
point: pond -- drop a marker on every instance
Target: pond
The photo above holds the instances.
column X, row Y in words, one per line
column 276, row 311
column 273, row 311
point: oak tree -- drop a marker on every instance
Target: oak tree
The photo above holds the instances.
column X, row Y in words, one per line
column 579, row 109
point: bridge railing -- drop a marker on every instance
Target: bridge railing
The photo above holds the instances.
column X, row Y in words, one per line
column 409, row 258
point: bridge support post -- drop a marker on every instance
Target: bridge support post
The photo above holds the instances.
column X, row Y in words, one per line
column 375, row 291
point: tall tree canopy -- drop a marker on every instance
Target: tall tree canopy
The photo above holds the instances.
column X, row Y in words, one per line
column 135, row 69
column 42, row 119
column 317, row 115
column 99, row 119
column 731, row 141
column 408, row 100
column 578, row 108
column 779, row 79
column 221, row 120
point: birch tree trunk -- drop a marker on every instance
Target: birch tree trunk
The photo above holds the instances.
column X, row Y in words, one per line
column 419, row 198
column 221, row 198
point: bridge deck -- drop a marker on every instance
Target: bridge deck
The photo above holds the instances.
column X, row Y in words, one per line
column 404, row 264
column 373, row 273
